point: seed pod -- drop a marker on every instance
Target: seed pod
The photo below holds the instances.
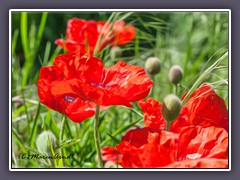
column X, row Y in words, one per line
column 153, row 65
column 115, row 52
column 175, row 74
column 44, row 141
column 171, row 107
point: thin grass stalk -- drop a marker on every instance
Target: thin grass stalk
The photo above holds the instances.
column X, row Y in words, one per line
column 203, row 76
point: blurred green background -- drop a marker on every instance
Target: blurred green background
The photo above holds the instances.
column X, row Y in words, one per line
column 193, row 40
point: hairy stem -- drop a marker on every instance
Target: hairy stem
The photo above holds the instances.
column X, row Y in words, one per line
column 96, row 137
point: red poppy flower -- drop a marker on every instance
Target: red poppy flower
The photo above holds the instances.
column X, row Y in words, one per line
column 82, row 35
column 204, row 108
column 111, row 154
column 76, row 83
column 153, row 117
column 193, row 147
column 148, row 148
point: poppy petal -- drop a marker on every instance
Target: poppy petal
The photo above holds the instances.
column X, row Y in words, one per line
column 197, row 142
column 63, row 100
column 130, row 81
column 111, row 154
column 153, row 117
column 148, row 148
column 200, row 163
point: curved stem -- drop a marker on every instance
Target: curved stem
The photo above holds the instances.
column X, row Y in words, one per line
column 96, row 137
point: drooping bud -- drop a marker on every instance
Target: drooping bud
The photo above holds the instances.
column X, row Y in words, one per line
column 44, row 141
column 115, row 52
column 171, row 107
column 153, row 65
column 175, row 74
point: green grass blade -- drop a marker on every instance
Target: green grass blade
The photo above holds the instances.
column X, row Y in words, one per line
column 32, row 39
column 34, row 128
column 18, row 140
column 55, row 53
column 14, row 40
column 25, row 45
column 203, row 76
column 116, row 141
column 41, row 30
column 136, row 112
column 68, row 142
column 62, row 128
column 46, row 53
column 24, row 34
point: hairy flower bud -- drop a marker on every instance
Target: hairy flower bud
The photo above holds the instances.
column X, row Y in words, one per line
column 175, row 74
column 115, row 52
column 153, row 65
column 171, row 107
column 44, row 141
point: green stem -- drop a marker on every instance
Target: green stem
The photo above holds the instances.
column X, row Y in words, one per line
column 152, row 90
column 61, row 133
column 96, row 137
column 62, row 128
column 168, row 125
column 176, row 89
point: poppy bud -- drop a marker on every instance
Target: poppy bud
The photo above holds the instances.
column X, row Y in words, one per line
column 153, row 65
column 115, row 52
column 171, row 107
column 43, row 142
column 175, row 74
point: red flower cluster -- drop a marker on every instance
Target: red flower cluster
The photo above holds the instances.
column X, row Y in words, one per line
column 82, row 35
column 76, row 83
column 200, row 142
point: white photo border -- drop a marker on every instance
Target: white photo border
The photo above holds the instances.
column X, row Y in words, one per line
column 119, row 10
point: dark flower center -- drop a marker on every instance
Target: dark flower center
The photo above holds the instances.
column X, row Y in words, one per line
column 69, row 99
column 101, row 86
